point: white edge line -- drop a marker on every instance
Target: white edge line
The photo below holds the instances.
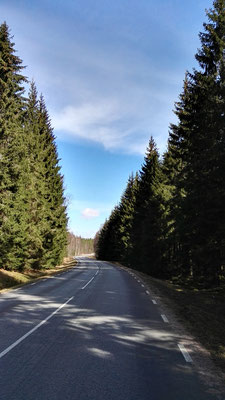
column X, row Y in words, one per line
column 4, row 352
column 143, row 285
column 147, row 292
column 154, row 301
column 165, row 319
column 185, row 353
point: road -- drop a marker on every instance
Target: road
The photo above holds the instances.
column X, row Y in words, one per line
column 92, row 332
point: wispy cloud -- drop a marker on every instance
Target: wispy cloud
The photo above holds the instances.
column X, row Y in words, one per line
column 112, row 123
column 90, row 213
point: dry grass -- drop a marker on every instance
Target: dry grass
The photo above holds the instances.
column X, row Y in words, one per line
column 10, row 279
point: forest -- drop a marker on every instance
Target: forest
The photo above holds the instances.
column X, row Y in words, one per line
column 170, row 221
column 78, row 245
column 33, row 217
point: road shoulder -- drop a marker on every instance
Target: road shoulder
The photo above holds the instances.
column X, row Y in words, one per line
column 209, row 373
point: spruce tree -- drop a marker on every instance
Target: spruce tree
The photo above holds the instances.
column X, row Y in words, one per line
column 13, row 220
column 127, row 207
column 147, row 223
column 203, row 146
column 35, row 183
column 55, row 234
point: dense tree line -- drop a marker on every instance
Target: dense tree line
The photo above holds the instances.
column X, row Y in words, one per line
column 171, row 218
column 32, row 206
column 78, row 245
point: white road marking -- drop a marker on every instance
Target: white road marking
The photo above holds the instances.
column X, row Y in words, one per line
column 139, row 281
column 143, row 285
column 164, row 317
column 4, row 352
column 147, row 292
column 33, row 283
column 185, row 353
column 90, row 281
column 154, row 301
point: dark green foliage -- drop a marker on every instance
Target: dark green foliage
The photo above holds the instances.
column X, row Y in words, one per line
column 32, row 211
column 177, row 214
column 54, row 235
column 114, row 240
column 148, row 215
column 200, row 218
column 13, row 222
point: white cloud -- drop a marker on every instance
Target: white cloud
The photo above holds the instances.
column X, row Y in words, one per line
column 90, row 213
column 78, row 206
column 113, row 124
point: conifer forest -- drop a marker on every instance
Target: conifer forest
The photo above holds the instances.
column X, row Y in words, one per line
column 170, row 221
column 32, row 205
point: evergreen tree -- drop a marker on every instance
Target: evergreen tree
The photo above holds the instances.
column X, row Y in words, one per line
column 13, row 223
column 174, row 171
column 202, row 140
column 55, row 234
column 127, row 207
column 35, row 183
column 147, row 223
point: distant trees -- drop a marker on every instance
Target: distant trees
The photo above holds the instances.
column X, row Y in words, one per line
column 177, row 214
column 78, row 245
column 32, row 206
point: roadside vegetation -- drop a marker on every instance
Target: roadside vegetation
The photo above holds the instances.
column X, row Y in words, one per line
column 78, row 245
column 33, row 219
column 10, row 279
column 170, row 221
column 33, row 216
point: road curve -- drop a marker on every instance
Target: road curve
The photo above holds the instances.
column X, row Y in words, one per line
column 92, row 332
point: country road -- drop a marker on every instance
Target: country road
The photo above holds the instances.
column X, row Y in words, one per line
column 92, row 332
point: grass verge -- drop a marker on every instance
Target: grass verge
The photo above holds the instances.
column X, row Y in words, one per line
column 9, row 279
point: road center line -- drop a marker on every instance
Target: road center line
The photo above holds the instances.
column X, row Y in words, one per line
column 4, row 352
column 185, row 353
column 90, row 281
column 164, row 317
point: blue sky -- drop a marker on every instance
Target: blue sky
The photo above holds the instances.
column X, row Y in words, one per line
column 110, row 72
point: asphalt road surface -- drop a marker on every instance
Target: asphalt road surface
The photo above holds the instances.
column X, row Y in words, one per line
column 92, row 332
